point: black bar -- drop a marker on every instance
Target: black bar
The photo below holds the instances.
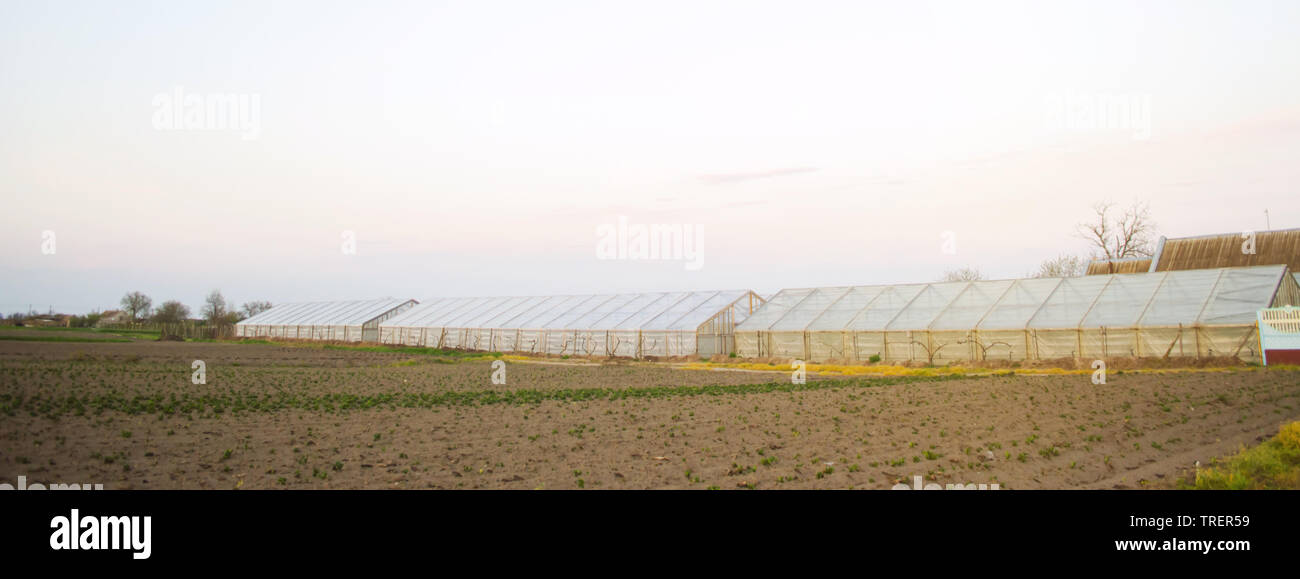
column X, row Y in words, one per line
column 321, row 528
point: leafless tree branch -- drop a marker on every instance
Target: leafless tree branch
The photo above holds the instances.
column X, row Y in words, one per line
column 1128, row 234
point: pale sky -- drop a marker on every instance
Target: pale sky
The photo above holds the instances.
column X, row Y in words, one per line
column 474, row 148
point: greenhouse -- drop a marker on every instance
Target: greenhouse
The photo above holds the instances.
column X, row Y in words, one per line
column 347, row 321
column 1193, row 313
column 631, row 325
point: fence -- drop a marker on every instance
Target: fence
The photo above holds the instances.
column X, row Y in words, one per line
column 189, row 330
column 1279, row 335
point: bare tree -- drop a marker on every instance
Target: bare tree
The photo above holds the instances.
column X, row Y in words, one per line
column 136, row 305
column 251, row 309
column 214, row 307
column 962, row 274
column 1115, row 234
column 1062, row 266
column 171, row 312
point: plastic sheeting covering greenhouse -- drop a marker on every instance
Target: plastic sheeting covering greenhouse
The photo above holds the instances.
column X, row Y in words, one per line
column 631, row 325
column 348, row 321
column 1208, row 312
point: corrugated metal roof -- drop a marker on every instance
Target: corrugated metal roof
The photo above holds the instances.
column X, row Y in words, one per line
column 1128, row 265
column 1279, row 246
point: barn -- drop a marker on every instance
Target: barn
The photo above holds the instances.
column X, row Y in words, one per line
column 1242, row 248
column 1126, row 265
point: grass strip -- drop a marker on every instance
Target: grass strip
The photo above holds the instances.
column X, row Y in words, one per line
column 1274, row 464
column 61, row 339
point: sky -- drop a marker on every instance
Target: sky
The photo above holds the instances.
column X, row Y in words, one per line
column 303, row 151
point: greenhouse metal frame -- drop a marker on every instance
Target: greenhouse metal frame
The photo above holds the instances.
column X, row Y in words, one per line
column 344, row 321
column 1188, row 313
column 634, row 325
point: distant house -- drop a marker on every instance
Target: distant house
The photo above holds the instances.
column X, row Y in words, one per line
column 47, row 320
column 113, row 317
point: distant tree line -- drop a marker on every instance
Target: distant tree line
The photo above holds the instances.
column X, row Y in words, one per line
column 137, row 308
column 173, row 317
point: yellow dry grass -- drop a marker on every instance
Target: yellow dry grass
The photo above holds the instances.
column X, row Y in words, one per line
column 887, row 370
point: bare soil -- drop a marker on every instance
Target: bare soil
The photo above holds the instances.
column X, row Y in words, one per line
column 128, row 416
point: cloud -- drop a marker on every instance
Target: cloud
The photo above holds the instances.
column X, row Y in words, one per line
column 720, row 179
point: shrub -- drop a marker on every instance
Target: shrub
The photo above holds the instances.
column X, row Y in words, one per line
column 1289, row 436
column 1275, row 464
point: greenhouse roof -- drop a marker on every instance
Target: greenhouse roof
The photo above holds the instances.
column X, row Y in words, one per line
column 345, row 313
column 633, row 311
column 1222, row 296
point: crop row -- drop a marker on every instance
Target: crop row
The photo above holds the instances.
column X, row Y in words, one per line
column 55, row 406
